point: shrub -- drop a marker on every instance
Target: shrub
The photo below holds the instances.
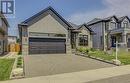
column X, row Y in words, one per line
column 92, row 49
column 83, row 50
column 19, row 53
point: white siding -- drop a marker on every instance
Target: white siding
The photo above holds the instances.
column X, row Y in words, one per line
column 125, row 20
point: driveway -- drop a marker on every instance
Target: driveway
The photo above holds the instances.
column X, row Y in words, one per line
column 43, row 65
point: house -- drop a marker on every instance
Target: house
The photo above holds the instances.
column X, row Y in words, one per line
column 109, row 30
column 81, row 36
column 12, row 40
column 45, row 33
column 3, row 34
column 49, row 33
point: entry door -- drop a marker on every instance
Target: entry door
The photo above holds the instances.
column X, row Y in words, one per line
column 113, row 40
column 128, row 43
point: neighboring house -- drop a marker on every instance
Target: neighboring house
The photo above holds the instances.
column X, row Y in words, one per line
column 81, row 36
column 110, row 30
column 3, row 34
column 12, row 40
column 45, row 33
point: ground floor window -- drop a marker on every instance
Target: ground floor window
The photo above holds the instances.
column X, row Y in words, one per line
column 83, row 40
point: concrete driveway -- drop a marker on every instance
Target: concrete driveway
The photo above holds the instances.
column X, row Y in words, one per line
column 43, row 65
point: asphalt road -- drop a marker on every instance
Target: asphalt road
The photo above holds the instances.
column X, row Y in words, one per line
column 118, row 79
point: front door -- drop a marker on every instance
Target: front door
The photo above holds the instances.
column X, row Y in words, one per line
column 128, row 43
column 113, row 40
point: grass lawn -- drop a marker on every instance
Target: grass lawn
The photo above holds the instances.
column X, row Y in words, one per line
column 123, row 56
column 5, row 68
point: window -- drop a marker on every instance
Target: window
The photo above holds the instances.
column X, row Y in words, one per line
column 125, row 24
column 107, row 27
column 113, row 25
column 24, row 33
column 46, row 34
column 83, row 40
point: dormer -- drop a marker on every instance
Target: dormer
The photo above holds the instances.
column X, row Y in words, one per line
column 124, row 22
column 113, row 23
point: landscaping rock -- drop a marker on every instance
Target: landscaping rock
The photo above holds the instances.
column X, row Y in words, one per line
column 117, row 62
column 17, row 72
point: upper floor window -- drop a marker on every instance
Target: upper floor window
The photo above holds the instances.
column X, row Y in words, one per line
column 107, row 27
column 125, row 24
column 113, row 25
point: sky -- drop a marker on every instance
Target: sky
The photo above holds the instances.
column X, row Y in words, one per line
column 75, row 11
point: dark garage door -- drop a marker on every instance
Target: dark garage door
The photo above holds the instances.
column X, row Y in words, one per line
column 46, row 46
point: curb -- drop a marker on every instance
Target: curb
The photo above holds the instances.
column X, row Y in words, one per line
column 99, row 59
column 14, row 66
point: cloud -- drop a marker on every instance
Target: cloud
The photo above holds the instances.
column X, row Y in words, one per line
column 113, row 7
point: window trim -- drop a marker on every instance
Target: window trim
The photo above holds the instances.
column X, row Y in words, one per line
column 115, row 25
column 125, row 24
column 83, row 42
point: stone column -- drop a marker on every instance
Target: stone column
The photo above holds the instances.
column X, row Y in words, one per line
column 109, row 41
column 25, row 41
column 124, row 39
column 68, row 43
column 77, row 40
column 90, row 41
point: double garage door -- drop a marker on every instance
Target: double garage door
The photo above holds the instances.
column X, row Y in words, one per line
column 46, row 46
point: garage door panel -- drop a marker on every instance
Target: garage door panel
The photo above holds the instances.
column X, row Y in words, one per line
column 46, row 46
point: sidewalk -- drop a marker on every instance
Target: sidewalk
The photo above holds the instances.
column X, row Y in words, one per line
column 78, row 77
column 10, row 55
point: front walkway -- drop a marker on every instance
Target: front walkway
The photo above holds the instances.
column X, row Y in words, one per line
column 78, row 77
column 44, row 65
column 10, row 55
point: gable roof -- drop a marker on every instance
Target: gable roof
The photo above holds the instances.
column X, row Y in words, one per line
column 87, row 27
column 97, row 20
column 48, row 10
column 74, row 26
column 109, row 18
column 122, row 18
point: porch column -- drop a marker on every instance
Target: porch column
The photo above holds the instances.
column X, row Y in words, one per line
column 109, row 42
column 124, row 39
column 77, row 40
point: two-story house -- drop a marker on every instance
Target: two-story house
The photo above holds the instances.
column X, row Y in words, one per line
column 3, row 34
column 109, row 30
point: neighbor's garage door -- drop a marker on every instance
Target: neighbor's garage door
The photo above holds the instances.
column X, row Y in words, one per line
column 46, row 46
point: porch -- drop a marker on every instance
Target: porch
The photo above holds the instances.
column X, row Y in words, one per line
column 120, row 38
